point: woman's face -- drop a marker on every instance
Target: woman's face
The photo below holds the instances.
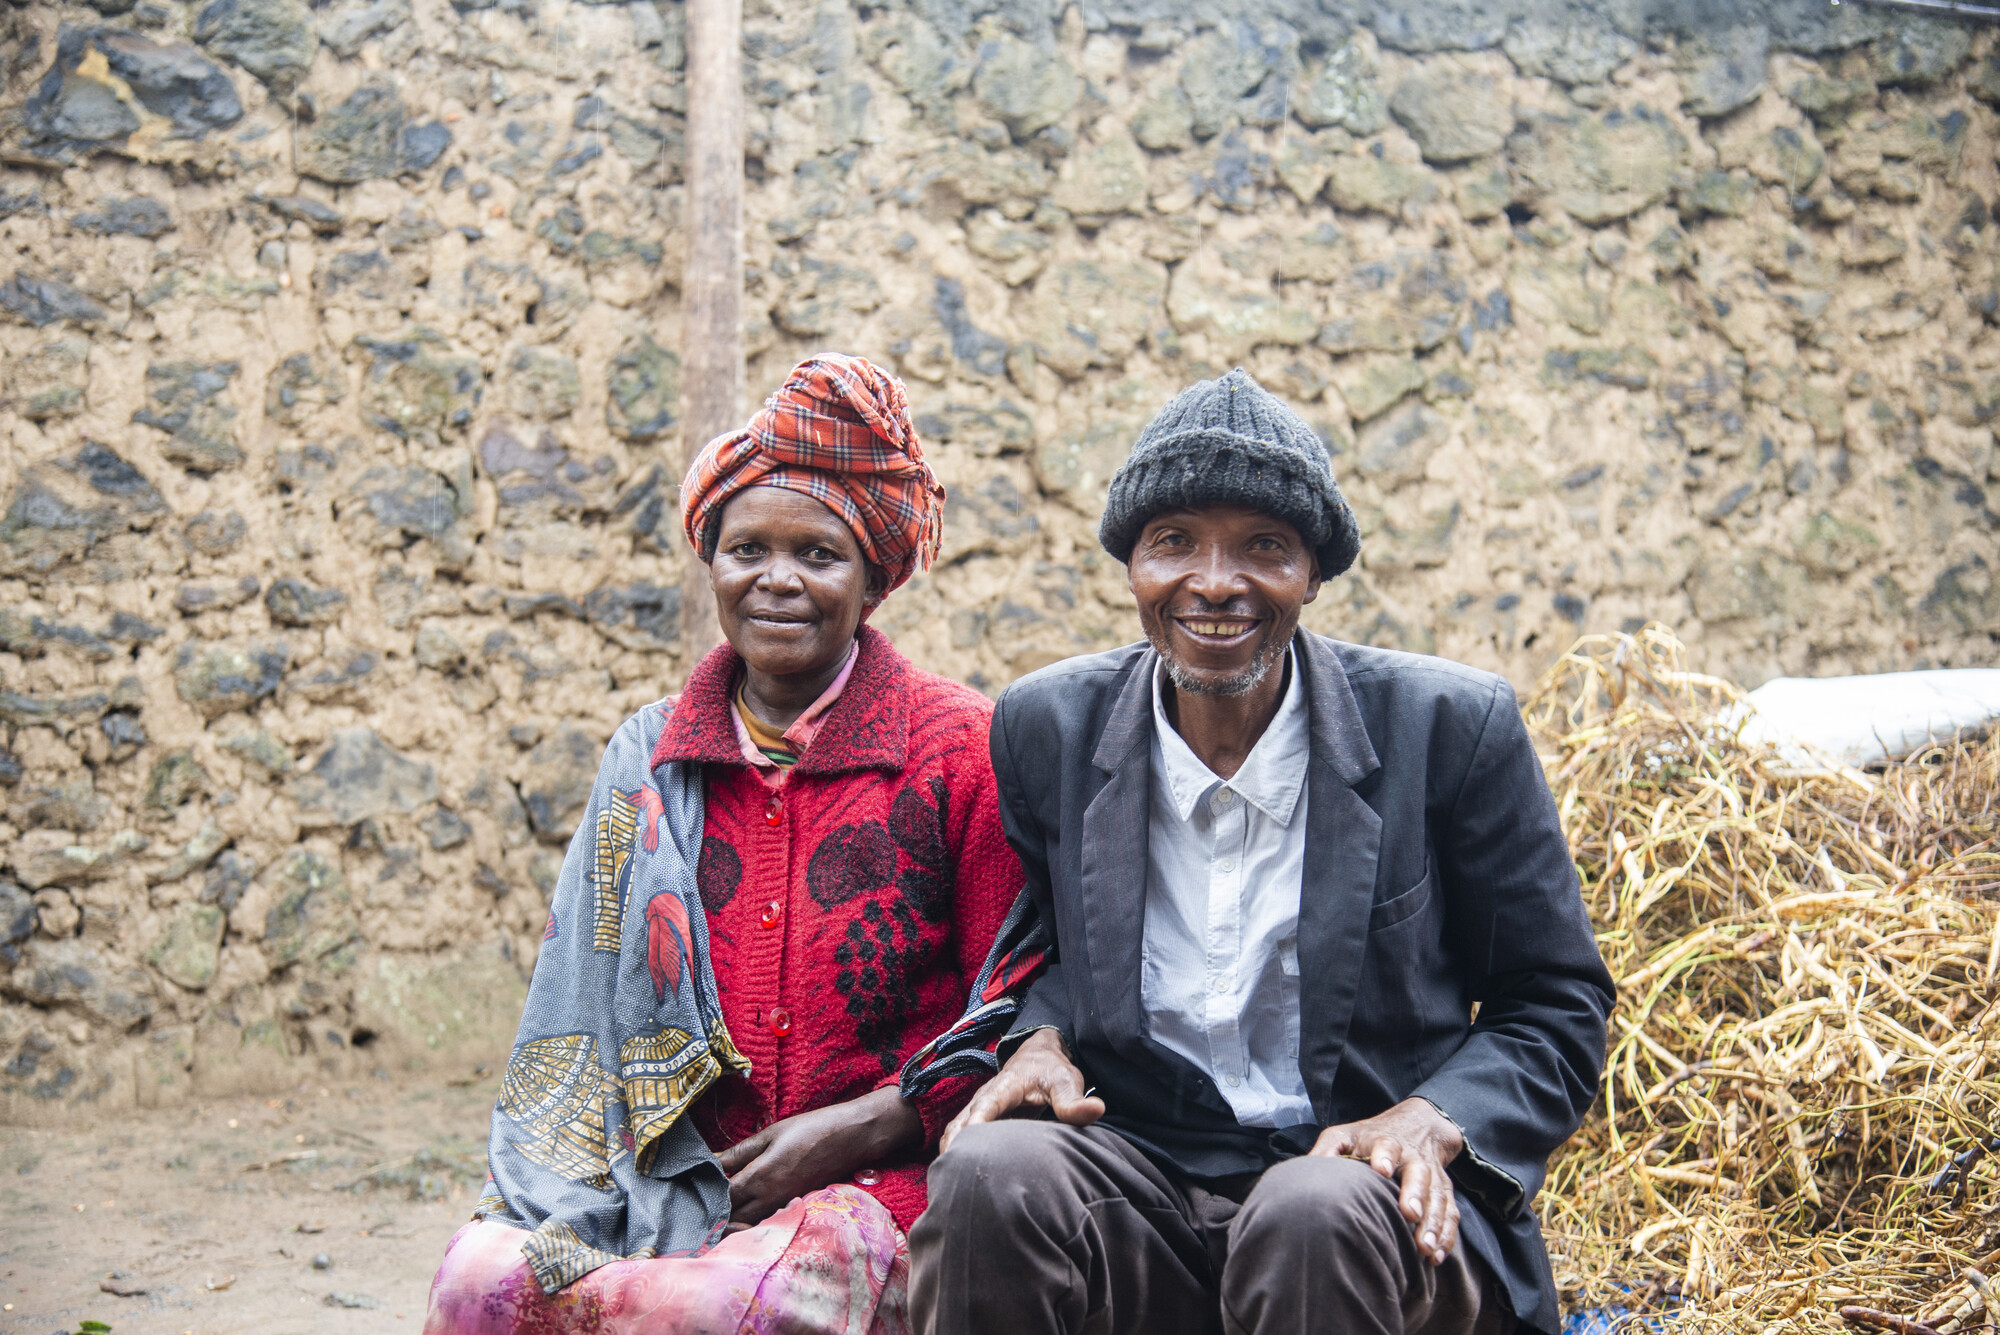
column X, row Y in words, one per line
column 791, row 585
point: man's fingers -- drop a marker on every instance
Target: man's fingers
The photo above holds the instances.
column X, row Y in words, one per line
column 1414, row 1198
column 995, row 1100
column 1432, row 1233
column 1080, row 1110
column 1385, row 1159
column 1449, row 1238
column 1066, row 1096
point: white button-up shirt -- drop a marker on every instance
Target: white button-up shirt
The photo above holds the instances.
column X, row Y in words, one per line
column 1224, row 862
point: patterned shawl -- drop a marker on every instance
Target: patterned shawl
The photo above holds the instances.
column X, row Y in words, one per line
column 623, row 1030
column 621, row 1033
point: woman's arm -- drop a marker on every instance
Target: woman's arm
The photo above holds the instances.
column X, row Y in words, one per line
column 789, row 1158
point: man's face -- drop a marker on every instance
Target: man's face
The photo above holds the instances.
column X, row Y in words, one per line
column 1219, row 593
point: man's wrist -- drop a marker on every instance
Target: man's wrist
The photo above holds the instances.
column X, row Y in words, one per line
column 1042, row 1038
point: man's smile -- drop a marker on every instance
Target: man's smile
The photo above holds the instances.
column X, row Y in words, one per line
column 1217, row 632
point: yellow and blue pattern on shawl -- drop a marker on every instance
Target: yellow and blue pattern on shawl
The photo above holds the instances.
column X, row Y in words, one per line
column 590, row 1152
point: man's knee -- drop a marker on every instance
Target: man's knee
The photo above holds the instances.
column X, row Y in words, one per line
column 1307, row 1200
column 1012, row 1168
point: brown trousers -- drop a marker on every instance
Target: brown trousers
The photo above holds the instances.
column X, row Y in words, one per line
column 1037, row 1227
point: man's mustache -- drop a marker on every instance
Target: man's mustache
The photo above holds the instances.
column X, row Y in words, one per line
column 1201, row 607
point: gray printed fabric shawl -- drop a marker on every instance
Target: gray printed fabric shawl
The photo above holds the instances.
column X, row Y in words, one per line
column 622, row 1031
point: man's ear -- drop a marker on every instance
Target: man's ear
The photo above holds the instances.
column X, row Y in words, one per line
column 1313, row 585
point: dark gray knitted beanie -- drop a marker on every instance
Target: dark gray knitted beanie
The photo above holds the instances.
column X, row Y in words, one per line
column 1231, row 442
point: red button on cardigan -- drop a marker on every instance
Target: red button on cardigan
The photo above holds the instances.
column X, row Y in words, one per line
column 851, row 899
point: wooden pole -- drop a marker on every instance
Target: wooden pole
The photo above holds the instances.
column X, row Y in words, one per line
column 712, row 288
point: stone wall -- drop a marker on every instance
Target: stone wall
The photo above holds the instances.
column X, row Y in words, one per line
column 340, row 401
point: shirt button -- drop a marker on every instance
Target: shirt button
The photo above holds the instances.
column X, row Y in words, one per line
column 1224, row 797
column 868, row 1177
column 781, row 1022
column 768, row 919
column 1227, row 864
column 774, row 810
column 1231, row 1080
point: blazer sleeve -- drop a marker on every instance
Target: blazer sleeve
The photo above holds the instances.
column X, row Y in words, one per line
column 1047, row 1002
column 1515, row 920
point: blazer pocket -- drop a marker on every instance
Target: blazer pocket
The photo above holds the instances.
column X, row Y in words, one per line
column 1398, row 908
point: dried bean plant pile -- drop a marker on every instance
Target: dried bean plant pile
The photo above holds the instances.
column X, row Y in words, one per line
column 1804, row 1077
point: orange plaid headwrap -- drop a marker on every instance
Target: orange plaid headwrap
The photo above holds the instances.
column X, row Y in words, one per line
column 839, row 431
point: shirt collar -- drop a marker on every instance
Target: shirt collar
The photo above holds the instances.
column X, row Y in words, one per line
column 805, row 727
column 1273, row 774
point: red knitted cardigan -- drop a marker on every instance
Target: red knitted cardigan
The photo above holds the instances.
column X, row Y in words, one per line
column 851, row 899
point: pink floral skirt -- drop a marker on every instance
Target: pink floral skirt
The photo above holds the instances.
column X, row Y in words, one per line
column 830, row 1263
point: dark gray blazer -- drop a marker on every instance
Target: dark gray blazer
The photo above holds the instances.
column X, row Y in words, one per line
column 1437, row 880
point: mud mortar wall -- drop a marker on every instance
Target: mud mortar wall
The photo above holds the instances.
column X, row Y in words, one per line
column 339, row 410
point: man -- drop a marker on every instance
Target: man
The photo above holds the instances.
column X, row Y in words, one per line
column 1323, row 997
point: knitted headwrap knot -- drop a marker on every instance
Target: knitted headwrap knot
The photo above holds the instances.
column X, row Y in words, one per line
column 838, row 430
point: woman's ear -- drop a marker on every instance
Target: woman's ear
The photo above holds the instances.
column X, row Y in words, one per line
column 878, row 585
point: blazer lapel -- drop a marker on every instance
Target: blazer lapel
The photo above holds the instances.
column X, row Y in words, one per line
column 1343, row 841
column 1114, row 856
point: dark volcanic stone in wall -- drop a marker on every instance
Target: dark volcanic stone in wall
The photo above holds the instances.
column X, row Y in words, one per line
column 359, row 776
column 637, row 615
column 43, row 301
column 348, row 27
column 1722, row 68
column 73, row 113
column 293, row 602
column 1343, row 91
column 66, row 507
column 217, row 678
column 1453, row 114
column 1569, row 45
column 419, row 385
column 645, row 390
column 273, row 39
column 561, row 769
column 367, row 136
column 1598, row 167
column 200, row 426
column 49, row 382
column 141, row 215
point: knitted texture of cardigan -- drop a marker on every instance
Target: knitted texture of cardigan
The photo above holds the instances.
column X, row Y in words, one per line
column 851, row 899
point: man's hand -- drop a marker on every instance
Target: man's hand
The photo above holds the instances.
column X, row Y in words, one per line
column 1412, row 1142
column 787, row 1159
column 1038, row 1075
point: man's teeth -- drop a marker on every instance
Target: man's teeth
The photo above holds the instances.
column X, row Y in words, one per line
column 1215, row 627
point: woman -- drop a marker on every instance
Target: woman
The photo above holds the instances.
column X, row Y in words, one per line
column 787, row 880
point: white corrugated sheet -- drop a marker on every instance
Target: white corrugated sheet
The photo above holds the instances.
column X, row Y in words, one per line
column 1817, row 722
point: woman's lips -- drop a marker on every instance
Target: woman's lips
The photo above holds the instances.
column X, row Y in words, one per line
column 776, row 622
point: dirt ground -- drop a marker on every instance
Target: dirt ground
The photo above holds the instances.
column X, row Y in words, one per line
column 321, row 1212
